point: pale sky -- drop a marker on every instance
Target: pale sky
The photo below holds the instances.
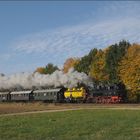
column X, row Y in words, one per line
column 33, row 34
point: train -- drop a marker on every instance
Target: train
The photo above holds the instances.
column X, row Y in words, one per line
column 93, row 94
column 48, row 95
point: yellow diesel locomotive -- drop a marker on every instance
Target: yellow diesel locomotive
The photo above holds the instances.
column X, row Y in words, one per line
column 75, row 95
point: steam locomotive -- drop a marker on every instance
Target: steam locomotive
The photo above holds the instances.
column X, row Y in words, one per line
column 93, row 94
column 97, row 94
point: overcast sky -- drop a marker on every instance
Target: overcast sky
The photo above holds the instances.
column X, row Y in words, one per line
column 33, row 34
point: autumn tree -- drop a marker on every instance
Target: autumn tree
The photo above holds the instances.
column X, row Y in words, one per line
column 41, row 70
column 49, row 69
column 85, row 62
column 129, row 71
column 113, row 56
column 97, row 69
column 69, row 63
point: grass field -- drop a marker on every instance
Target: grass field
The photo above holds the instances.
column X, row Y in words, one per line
column 73, row 125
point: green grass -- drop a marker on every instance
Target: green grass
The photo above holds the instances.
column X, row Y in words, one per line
column 73, row 125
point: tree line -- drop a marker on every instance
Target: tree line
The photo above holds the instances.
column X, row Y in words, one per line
column 118, row 63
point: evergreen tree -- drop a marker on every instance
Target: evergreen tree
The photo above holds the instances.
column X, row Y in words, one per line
column 113, row 56
column 85, row 62
column 50, row 68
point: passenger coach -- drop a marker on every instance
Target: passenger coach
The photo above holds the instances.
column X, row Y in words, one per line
column 22, row 95
column 46, row 95
column 4, row 96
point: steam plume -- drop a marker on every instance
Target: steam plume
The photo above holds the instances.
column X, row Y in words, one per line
column 28, row 80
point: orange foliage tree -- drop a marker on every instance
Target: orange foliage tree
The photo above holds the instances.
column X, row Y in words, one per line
column 69, row 63
column 41, row 70
column 129, row 71
column 97, row 69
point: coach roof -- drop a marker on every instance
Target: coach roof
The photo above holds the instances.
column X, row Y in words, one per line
column 2, row 93
column 46, row 90
column 21, row 92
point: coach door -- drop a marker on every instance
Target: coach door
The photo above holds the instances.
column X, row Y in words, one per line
column 31, row 96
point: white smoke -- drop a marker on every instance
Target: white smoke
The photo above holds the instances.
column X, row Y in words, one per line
column 56, row 79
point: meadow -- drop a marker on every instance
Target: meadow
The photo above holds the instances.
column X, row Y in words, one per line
column 98, row 124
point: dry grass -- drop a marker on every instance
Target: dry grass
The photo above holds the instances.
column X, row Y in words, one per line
column 6, row 108
column 37, row 106
column 20, row 107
